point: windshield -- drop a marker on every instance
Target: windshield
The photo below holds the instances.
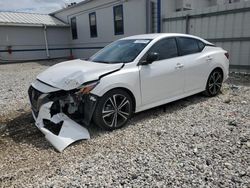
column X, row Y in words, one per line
column 121, row 51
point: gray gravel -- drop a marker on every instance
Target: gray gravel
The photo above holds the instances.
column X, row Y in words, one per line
column 15, row 80
column 196, row 142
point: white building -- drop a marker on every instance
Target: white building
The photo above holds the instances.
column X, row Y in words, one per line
column 96, row 23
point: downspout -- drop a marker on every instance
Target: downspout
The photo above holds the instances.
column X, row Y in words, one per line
column 147, row 17
column 159, row 16
column 187, row 23
column 46, row 41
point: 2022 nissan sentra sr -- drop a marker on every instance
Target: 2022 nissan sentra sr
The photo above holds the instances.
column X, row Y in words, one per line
column 128, row 76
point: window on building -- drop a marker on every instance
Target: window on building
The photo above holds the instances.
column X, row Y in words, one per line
column 166, row 48
column 74, row 28
column 93, row 24
column 118, row 20
column 188, row 46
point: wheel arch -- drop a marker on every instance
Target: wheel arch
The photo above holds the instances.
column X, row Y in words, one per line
column 216, row 68
column 219, row 69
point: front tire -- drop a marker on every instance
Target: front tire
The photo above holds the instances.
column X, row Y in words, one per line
column 214, row 83
column 113, row 110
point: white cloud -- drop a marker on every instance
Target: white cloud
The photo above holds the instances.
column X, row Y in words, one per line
column 37, row 6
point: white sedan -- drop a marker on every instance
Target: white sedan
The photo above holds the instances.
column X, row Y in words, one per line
column 128, row 76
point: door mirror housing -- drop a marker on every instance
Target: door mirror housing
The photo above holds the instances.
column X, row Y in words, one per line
column 151, row 57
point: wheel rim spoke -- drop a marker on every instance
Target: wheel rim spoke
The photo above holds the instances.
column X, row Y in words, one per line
column 107, row 113
column 112, row 102
column 214, row 89
column 123, row 116
column 124, row 113
column 213, row 77
column 218, row 78
column 218, row 85
column 123, row 103
column 210, row 86
column 114, row 121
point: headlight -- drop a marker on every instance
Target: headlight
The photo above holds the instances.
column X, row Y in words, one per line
column 87, row 88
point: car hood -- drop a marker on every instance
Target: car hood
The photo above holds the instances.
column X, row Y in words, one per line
column 72, row 74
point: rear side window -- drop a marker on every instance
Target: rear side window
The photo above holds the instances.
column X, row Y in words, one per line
column 201, row 45
column 188, row 46
column 167, row 48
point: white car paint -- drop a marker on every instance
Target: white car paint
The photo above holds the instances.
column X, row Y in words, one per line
column 151, row 85
column 72, row 74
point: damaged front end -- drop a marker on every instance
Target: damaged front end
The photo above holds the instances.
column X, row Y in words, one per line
column 60, row 114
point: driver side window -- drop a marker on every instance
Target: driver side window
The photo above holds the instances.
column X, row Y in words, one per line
column 166, row 48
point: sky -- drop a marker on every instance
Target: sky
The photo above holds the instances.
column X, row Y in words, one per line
column 34, row 6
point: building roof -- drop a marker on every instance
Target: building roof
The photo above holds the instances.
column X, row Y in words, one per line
column 29, row 19
column 72, row 6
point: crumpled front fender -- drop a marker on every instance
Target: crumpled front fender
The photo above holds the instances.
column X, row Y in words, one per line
column 68, row 131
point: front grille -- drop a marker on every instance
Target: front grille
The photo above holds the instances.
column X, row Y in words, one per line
column 34, row 96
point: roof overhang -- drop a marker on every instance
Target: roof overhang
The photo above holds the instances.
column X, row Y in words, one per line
column 70, row 7
column 30, row 25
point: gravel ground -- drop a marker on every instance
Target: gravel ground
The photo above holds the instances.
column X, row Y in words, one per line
column 15, row 80
column 196, row 142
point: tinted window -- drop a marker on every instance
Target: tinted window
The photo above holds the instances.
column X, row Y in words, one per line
column 166, row 48
column 73, row 28
column 188, row 46
column 92, row 24
column 118, row 20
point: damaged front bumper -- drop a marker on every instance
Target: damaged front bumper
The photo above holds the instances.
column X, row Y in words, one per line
column 59, row 115
column 59, row 130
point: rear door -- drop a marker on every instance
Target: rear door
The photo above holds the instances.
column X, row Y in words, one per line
column 195, row 62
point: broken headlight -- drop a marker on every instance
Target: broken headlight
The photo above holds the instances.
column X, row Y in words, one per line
column 87, row 88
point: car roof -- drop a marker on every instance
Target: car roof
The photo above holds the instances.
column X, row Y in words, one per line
column 163, row 35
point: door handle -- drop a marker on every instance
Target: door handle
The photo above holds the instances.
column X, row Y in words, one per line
column 209, row 58
column 179, row 66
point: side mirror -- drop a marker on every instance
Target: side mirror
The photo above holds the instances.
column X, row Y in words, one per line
column 151, row 57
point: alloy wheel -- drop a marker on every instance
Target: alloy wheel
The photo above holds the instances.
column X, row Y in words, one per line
column 215, row 83
column 116, row 110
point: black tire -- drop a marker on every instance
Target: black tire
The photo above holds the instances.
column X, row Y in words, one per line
column 214, row 83
column 113, row 110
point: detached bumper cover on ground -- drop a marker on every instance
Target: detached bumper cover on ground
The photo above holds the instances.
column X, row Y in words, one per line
column 68, row 130
column 57, row 115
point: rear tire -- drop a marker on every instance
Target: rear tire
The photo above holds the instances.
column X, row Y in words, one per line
column 214, row 83
column 113, row 110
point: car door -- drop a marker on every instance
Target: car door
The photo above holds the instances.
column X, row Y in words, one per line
column 195, row 63
column 164, row 78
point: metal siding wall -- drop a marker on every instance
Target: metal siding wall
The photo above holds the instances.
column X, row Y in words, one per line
column 28, row 43
column 233, row 25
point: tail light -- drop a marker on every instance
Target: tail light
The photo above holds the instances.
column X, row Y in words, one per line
column 227, row 55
